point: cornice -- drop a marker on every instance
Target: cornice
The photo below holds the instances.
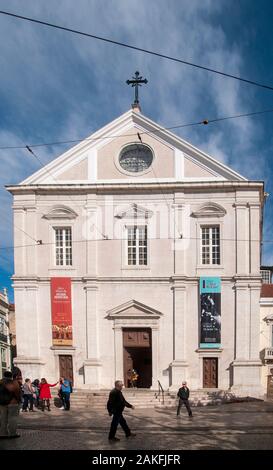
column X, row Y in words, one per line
column 166, row 184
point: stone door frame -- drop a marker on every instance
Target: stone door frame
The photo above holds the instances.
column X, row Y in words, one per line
column 133, row 314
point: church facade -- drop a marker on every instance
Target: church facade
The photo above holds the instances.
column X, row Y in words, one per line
column 147, row 257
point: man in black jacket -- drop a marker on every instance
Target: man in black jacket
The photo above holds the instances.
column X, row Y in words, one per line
column 183, row 394
column 115, row 406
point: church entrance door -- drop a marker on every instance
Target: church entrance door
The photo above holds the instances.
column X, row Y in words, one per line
column 137, row 355
column 210, row 372
column 66, row 367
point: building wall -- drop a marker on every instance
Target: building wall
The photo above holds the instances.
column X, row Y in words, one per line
column 5, row 362
column 266, row 340
column 101, row 282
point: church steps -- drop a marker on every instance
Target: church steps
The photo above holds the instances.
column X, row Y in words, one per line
column 87, row 399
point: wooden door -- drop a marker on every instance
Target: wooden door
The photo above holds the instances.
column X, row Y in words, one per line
column 210, row 372
column 137, row 354
column 66, row 367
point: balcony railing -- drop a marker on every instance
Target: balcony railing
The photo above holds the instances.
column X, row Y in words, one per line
column 268, row 354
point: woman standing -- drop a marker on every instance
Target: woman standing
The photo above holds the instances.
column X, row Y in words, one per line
column 28, row 392
column 35, row 385
column 45, row 394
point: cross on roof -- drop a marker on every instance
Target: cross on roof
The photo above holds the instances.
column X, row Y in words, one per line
column 136, row 82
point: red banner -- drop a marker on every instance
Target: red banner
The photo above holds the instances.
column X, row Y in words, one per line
column 61, row 311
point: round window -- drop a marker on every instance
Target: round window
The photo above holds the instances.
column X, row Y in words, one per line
column 135, row 158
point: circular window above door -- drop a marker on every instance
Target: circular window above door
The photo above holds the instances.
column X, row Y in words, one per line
column 135, row 158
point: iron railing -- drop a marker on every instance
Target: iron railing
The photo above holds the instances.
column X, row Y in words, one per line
column 160, row 392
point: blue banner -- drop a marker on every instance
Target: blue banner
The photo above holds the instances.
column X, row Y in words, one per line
column 210, row 312
column 209, row 285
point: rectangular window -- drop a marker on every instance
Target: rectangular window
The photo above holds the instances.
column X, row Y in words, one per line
column 137, row 246
column 266, row 276
column 210, row 245
column 2, row 326
column 63, row 246
column 3, row 356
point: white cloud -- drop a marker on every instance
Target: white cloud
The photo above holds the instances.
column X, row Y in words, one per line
column 59, row 86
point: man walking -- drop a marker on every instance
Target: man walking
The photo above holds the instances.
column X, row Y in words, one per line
column 115, row 406
column 10, row 397
column 183, row 394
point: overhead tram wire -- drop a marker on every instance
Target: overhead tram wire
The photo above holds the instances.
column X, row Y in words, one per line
column 179, row 126
column 233, row 240
column 135, row 48
column 57, row 181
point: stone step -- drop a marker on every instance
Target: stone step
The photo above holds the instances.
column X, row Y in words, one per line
column 145, row 398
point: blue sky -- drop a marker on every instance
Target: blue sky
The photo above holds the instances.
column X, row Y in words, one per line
column 57, row 86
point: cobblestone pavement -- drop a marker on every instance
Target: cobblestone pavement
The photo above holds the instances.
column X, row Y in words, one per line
column 232, row 427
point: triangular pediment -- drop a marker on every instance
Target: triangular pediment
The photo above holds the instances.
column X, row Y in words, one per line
column 133, row 309
column 210, row 209
column 95, row 159
column 134, row 211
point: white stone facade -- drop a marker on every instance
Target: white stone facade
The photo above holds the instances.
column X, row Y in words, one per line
column 183, row 191
column 5, row 362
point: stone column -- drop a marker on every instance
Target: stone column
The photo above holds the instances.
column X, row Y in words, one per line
column 179, row 365
column 92, row 364
column 19, row 215
column 255, row 246
column 242, row 310
column 242, row 238
column 155, row 356
column 91, row 236
column 27, row 323
column 118, row 338
column 247, row 365
column 31, row 249
column 254, row 346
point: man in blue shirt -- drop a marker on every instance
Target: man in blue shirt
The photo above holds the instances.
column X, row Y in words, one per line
column 65, row 390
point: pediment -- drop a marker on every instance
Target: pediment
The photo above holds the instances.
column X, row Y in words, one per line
column 80, row 163
column 60, row 212
column 210, row 209
column 133, row 309
column 134, row 211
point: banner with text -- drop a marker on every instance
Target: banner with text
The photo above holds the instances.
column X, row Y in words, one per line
column 210, row 308
column 61, row 311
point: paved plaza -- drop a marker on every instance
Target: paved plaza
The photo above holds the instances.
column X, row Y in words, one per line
column 232, row 427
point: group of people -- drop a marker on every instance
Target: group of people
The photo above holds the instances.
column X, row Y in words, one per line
column 38, row 393
column 116, row 404
column 14, row 394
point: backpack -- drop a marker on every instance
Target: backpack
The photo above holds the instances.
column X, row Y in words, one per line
column 71, row 388
column 5, row 395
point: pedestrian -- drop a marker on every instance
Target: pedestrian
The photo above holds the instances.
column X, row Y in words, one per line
column 183, row 394
column 28, row 395
column 134, row 378
column 45, row 394
column 35, row 384
column 65, row 391
column 10, row 396
column 115, row 406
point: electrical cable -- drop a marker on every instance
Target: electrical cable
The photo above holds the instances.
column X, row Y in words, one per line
column 94, row 139
column 139, row 49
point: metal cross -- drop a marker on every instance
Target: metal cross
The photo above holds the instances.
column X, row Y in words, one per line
column 136, row 82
